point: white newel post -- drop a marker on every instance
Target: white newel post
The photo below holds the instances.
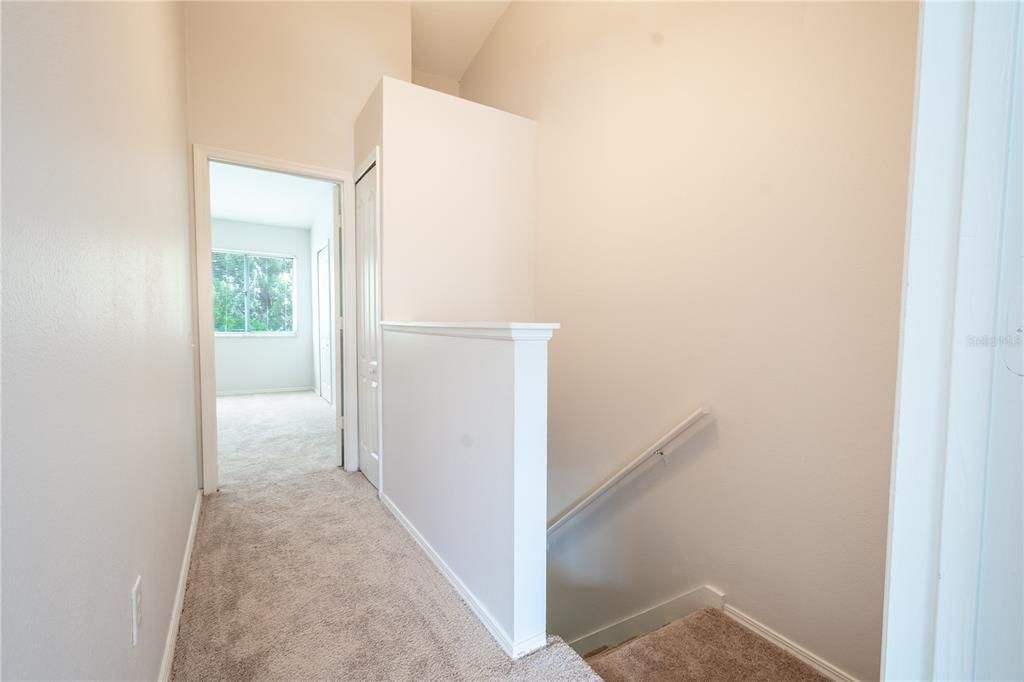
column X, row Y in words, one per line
column 465, row 462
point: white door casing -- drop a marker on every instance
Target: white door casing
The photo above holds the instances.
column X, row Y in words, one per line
column 324, row 324
column 206, row 399
column 368, row 323
column 953, row 604
column 339, row 305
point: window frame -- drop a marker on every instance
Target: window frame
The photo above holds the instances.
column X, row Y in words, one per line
column 295, row 292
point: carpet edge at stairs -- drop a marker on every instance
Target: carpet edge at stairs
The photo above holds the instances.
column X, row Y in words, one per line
column 707, row 646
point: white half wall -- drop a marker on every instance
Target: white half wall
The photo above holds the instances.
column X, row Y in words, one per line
column 465, row 463
column 254, row 364
column 99, row 418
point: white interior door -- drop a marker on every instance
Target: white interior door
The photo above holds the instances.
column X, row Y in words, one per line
column 324, row 326
column 368, row 326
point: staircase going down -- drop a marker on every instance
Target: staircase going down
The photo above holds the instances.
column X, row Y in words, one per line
column 707, row 646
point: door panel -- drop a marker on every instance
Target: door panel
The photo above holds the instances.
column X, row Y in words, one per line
column 323, row 288
column 368, row 326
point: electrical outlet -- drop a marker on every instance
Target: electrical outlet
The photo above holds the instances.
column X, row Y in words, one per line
column 136, row 609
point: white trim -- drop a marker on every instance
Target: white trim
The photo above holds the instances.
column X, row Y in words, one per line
column 315, row 318
column 819, row 664
column 498, row 331
column 338, row 290
column 367, row 163
column 179, row 596
column 259, row 254
column 203, row 284
column 269, row 163
column 958, row 640
column 928, row 288
column 527, row 645
column 379, row 276
column 260, row 391
column 650, row 619
column 256, row 335
column 969, row 69
column 513, row 649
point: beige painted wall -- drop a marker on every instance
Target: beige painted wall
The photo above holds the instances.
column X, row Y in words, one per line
column 285, row 79
column 435, row 82
column 721, row 205
column 368, row 127
column 99, row 433
column 458, row 206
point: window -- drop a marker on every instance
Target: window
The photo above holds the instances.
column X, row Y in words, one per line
column 253, row 294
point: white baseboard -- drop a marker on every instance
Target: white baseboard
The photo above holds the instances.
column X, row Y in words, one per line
column 179, row 596
column 258, row 391
column 650, row 619
column 513, row 649
column 816, row 662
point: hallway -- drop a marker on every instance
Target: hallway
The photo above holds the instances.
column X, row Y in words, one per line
column 280, row 589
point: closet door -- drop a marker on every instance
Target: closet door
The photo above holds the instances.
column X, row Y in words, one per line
column 368, row 325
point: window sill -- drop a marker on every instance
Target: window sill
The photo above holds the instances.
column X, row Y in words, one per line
column 256, row 335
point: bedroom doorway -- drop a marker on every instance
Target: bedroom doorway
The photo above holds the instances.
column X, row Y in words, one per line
column 269, row 308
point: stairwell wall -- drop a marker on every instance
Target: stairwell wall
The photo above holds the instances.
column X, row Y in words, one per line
column 721, row 205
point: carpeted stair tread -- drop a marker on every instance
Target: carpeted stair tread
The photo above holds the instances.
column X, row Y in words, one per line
column 706, row 646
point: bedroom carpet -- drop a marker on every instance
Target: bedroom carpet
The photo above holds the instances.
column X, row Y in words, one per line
column 706, row 646
column 299, row 572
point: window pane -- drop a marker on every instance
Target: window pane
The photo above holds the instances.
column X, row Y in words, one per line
column 270, row 294
column 228, row 292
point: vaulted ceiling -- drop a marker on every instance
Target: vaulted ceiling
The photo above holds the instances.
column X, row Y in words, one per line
column 447, row 35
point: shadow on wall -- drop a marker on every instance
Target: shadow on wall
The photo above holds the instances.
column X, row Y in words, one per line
column 613, row 539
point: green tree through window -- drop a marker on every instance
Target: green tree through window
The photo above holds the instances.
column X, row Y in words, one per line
column 253, row 294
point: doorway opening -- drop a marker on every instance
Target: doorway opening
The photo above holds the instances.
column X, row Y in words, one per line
column 270, row 297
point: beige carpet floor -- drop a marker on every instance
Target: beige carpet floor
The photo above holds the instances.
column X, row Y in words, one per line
column 706, row 646
column 299, row 573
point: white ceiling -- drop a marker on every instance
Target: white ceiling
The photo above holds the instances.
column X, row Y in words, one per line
column 447, row 35
column 257, row 196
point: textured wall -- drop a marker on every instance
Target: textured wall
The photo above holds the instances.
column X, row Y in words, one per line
column 99, row 441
